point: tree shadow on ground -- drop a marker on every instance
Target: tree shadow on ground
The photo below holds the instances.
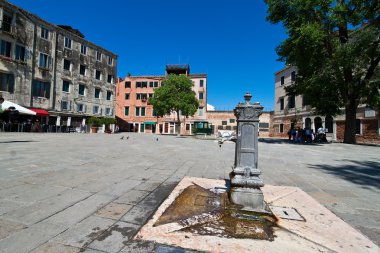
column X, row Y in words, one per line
column 14, row 141
column 286, row 141
column 364, row 173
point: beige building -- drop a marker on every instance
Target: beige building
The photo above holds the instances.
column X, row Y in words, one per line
column 226, row 120
column 53, row 70
column 295, row 111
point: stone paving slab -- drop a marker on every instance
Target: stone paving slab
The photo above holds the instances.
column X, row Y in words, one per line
column 344, row 178
column 114, row 239
column 84, row 232
column 322, row 231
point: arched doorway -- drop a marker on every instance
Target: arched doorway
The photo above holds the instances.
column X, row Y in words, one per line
column 317, row 123
column 308, row 123
column 329, row 124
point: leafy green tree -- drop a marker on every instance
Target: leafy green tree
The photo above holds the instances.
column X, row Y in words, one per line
column 175, row 95
column 335, row 46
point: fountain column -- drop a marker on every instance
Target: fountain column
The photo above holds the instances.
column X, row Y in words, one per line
column 245, row 177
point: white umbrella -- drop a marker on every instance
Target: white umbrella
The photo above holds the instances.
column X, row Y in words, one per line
column 22, row 110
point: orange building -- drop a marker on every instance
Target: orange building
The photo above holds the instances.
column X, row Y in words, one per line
column 134, row 114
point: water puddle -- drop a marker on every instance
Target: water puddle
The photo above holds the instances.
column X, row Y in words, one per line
column 209, row 212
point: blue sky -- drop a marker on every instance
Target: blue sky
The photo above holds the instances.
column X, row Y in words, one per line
column 230, row 41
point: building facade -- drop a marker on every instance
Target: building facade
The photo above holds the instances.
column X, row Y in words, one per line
column 136, row 115
column 53, row 70
column 295, row 111
column 226, row 120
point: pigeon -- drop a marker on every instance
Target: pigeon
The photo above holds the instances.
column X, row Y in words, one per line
column 127, row 137
column 157, row 139
column 122, row 138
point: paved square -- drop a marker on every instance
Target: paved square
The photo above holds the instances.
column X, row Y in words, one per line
column 57, row 190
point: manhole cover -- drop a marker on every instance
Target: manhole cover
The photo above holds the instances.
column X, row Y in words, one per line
column 288, row 213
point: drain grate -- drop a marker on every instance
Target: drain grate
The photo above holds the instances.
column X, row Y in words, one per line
column 288, row 213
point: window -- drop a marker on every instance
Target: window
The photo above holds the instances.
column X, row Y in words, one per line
column 66, row 64
column 144, row 84
column 138, row 85
column 82, row 70
column 282, row 80
column 232, row 121
column 126, row 110
column 140, row 111
column 281, row 128
column 126, row 96
column 220, row 127
column 7, row 82
column 45, row 61
column 108, row 111
column 224, row 122
column 137, row 112
column 98, row 56
column 155, row 84
column 41, row 89
column 65, row 86
column 305, row 100
column 138, row 96
column 358, row 126
column 150, row 95
column 7, row 22
column 44, row 33
column 292, row 102
column 200, row 111
column 98, row 75
column 201, row 83
column 83, row 49
column 281, row 104
column 20, row 53
column 200, row 95
column 264, row 125
column 151, row 84
column 293, row 76
column 127, row 85
column 97, row 93
column 81, row 108
column 329, row 124
column 110, row 79
column 110, row 61
column 95, row 109
column 81, row 90
column 228, row 127
column 65, row 105
column 154, row 113
column 109, row 95
column 5, row 48
column 68, row 43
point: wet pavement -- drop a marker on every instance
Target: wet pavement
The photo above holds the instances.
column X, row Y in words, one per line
column 93, row 192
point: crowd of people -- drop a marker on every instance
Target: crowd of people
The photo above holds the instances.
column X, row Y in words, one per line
column 307, row 135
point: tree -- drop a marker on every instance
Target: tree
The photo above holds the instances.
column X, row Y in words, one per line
column 175, row 95
column 335, row 46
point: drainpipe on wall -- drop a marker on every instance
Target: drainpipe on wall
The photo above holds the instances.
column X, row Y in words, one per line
column 33, row 62
column 55, row 70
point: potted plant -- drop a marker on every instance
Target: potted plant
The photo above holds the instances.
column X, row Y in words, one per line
column 107, row 122
column 95, row 122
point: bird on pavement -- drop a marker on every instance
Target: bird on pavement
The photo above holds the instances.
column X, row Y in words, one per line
column 127, row 137
column 122, row 138
column 157, row 139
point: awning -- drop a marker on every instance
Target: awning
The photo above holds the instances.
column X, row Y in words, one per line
column 22, row 110
column 40, row 112
column 150, row 123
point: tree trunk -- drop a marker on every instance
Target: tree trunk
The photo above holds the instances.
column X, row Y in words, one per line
column 350, row 124
column 178, row 124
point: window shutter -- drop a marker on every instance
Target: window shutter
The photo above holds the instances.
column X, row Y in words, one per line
column 49, row 63
column 84, row 108
column 69, row 109
column 111, row 111
column 100, row 111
